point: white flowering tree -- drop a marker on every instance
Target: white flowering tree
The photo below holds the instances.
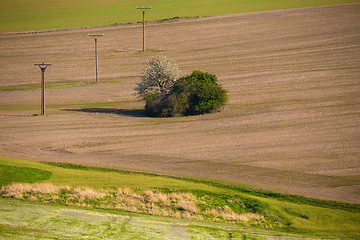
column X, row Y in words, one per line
column 158, row 77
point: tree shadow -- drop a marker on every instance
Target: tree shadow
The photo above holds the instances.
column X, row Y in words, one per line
column 125, row 112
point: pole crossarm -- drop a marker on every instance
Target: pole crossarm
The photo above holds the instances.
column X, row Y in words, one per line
column 143, row 8
column 42, row 66
column 95, row 35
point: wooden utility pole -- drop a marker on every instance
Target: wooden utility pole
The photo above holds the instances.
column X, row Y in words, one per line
column 143, row 10
column 43, row 67
column 96, row 36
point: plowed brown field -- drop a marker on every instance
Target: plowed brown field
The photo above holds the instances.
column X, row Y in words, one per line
column 292, row 123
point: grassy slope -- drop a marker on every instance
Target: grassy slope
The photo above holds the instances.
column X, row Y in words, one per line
column 27, row 15
column 338, row 221
column 45, row 221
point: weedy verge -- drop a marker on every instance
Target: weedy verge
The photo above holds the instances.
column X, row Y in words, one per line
column 172, row 203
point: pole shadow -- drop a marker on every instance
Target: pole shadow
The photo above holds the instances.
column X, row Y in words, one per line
column 124, row 112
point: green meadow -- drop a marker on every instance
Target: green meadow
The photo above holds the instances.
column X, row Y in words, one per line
column 281, row 215
column 31, row 15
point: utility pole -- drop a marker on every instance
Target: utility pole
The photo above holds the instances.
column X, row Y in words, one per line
column 143, row 10
column 96, row 36
column 43, row 67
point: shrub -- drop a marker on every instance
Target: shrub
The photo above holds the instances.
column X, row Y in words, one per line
column 199, row 93
column 161, row 106
column 158, row 78
column 194, row 94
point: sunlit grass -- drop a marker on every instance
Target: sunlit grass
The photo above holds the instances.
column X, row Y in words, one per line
column 109, row 179
column 27, row 15
column 103, row 187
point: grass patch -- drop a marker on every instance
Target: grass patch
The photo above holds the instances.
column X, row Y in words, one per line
column 78, row 167
column 36, row 86
column 9, row 174
column 154, row 50
column 285, row 126
column 313, row 219
column 168, row 19
column 29, row 15
column 175, row 18
column 303, row 200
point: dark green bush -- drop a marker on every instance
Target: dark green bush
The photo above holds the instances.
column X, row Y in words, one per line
column 160, row 106
column 195, row 94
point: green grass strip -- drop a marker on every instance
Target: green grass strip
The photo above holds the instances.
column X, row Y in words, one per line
column 36, row 86
column 31, row 15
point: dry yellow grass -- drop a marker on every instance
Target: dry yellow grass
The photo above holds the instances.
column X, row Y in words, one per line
column 16, row 190
column 291, row 125
column 189, row 206
column 175, row 204
column 125, row 191
column 228, row 214
column 84, row 192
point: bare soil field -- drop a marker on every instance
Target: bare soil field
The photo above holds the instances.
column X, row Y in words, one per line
column 292, row 123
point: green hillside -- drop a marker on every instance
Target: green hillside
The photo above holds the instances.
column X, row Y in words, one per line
column 29, row 15
column 165, row 197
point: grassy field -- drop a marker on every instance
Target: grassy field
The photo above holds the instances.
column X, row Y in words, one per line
column 280, row 212
column 45, row 221
column 29, row 15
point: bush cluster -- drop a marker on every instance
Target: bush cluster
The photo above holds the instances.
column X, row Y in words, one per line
column 195, row 94
column 168, row 95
